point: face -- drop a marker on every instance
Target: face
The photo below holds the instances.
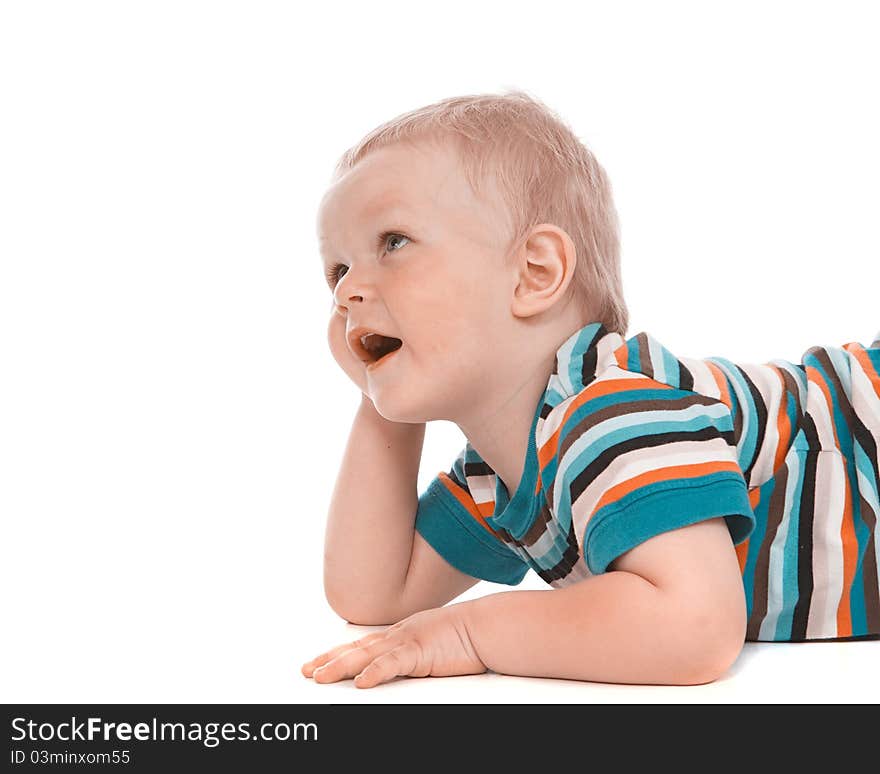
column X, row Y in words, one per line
column 412, row 253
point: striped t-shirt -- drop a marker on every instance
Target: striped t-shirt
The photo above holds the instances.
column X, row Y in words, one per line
column 630, row 441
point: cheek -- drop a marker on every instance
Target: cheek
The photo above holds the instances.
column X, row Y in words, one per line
column 447, row 315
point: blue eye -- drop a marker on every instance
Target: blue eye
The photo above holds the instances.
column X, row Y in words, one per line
column 383, row 237
column 332, row 273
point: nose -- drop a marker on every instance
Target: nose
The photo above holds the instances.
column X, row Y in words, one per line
column 345, row 293
column 342, row 303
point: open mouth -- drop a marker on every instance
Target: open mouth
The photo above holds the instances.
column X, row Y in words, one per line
column 379, row 347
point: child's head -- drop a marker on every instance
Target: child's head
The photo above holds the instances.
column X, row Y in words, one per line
column 505, row 229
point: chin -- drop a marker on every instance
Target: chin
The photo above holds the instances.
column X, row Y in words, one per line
column 402, row 416
column 406, row 410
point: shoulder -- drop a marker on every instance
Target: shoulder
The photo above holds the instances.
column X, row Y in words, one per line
column 624, row 411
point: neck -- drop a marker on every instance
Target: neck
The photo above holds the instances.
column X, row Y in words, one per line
column 499, row 429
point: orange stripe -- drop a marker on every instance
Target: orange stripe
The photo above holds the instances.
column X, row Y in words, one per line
column 850, row 553
column 674, row 472
column 467, row 502
column 742, row 550
column 721, row 382
column 783, row 424
column 847, row 528
column 815, row 376
column 862, row 356
column 597, row 389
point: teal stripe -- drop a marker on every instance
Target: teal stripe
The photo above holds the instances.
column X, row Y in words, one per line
column 790, row 560
column 748, row 442
column 651, row 422
column 584, row 340
column 451, row 530
column 633, row 361
column 838, row 419
column 621, row 397
column 553, row 555
column 670, row 367
column 618, row 527
column 553, row 398
column 857, row 599
column 756, row 540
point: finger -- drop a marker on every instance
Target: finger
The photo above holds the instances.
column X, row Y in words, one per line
column 350, row 662
column 399, row 661
column 318, row 661
column 310, row 666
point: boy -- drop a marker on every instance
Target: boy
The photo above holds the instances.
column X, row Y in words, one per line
column 472, row 251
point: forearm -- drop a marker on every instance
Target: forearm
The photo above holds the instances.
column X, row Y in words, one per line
column 616, row 627
column 371, row 521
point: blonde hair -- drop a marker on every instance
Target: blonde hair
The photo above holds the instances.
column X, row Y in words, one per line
column 542, row 171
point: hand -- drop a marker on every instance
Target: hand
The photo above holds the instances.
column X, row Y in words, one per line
column 353, row 367
column 432, row 643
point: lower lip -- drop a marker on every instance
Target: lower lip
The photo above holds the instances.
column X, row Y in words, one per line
column 379, row 363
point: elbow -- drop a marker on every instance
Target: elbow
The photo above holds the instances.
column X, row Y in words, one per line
column 716, row 641
column 712, row 664
column 349, row 607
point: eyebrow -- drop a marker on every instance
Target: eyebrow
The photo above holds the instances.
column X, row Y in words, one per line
column 373, row 210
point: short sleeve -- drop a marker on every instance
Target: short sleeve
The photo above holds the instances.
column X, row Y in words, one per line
column 648, row 459
column 456, row 527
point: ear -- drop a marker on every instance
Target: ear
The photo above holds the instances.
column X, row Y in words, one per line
column 544, row 270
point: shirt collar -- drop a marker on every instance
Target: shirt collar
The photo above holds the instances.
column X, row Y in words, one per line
column 580, row 358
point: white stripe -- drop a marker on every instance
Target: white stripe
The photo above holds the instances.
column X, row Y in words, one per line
column 771, row 390
column 547, row 426
column 820, row 411
column 775, row 578
column 563, row 359
column 550, row 537
column 799, row 377
column 842, row 361
column 557, row 385
column 636, row 462
column 870, row 494
column 550, row 424
column 704, row 381
column 639, row 420
column 614, row 372
column 655, row 351
column 827, row 545
column 482, row 489
column 735, row 383
column 605, row 349
column 866, row 403
column 578, row 573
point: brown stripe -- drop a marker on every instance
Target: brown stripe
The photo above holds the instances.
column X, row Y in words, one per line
column 806, row 515
column 646, row 366
column 791, row 387
column 538, row 527
column 843, row 399
column 869, row 570
column 758, row 410
column 536, row 531
column 637, row 405
column 762, row 566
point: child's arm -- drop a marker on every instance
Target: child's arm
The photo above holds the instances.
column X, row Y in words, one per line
column 377, row 569
column 669, row 611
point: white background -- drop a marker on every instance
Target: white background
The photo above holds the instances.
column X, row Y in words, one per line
column 171, row 420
